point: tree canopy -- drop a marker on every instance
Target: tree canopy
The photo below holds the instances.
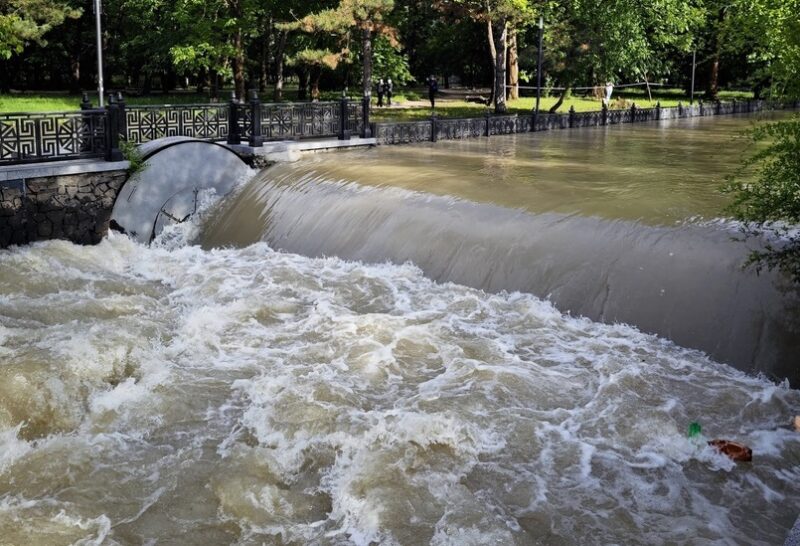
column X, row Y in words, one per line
column 208, row 44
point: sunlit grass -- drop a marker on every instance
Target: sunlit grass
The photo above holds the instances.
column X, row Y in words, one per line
column 402, row 110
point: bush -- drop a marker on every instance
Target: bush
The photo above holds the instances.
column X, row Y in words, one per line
column 766, row 195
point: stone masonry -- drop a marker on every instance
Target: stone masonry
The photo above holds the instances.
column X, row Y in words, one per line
column 75, row 207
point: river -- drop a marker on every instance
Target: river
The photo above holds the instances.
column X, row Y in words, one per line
column 408, row 345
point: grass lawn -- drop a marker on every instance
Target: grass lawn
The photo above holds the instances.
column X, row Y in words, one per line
column 409, row 104
column 524, row 105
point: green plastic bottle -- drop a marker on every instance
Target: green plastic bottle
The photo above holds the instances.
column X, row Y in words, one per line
column 695, row 430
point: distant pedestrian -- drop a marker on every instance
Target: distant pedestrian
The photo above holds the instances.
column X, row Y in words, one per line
column 609, row 90
column 433, row 88
column 381, row 88
column 389, row 91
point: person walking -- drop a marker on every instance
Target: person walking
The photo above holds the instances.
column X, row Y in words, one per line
column 609, row 90
column 433, row 88
column 389, row 91
column 380, row 89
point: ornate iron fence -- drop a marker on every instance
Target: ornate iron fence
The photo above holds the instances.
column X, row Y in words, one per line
column 203, row 121
column 90, row 133
column 31, row 138
column 290, row 121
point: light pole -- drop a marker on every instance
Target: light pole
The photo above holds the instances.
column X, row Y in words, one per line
column 538, row 74
column 97, row 13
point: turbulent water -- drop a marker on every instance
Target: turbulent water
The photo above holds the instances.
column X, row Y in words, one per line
column 616, row 224
column 177, row 394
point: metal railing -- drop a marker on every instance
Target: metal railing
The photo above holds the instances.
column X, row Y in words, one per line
column 51, row 136
column 96, row 133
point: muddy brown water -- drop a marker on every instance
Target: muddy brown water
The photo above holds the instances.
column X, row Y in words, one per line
column 230, row 385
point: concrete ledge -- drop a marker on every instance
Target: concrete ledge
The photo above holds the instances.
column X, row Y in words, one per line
column 289, row 150
column 60, row 168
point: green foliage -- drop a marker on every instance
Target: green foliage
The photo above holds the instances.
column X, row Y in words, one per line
column 132, row 154
column 25, row 21
column 766, row 195
column 388, row 62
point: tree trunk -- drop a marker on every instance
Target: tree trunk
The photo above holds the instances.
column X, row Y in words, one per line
column 492, row 55
column 302, row 83
column 75, row 60
column 263, row 65
column 215, row 86
column 279, row 49
column 713, row 75
column 5, row 76
column 316, row 74
column 500, row 34
column 366, row 48
column 560, row 101
column 238, row 52
column 513, row 67
column 238, row 65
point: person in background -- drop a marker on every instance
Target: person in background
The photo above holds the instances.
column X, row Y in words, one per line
column 380, row 89
column 433, row 88
column 609, row 90
column 389, row 91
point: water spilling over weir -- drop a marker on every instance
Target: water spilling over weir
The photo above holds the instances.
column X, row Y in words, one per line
column 233, row 393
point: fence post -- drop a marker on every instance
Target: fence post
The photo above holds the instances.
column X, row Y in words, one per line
column 487, row 116
column 344, row 130
column 113, row 153
column 604, row 117
column 234, row 136
column 366, row 131
column 571, row 117
column 433, row 127
column 88, row 126
column 658, row 110
column 256, row 139
column 702, row 109
column 680, row 109
column 122, row 128
column 633, row 112
column 718, row 107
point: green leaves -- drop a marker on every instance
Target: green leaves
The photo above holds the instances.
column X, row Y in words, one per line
column 25, row 21
column 766, row 194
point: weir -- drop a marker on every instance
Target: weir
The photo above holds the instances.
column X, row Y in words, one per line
column 613, row 250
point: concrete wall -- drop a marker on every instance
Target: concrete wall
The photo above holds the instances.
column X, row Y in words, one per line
column 76, row 207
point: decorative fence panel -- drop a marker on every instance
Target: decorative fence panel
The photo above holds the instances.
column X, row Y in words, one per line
column 203, row 121
column 458, row 128
column 31, row 138
column 290, row 121
column 92, row 133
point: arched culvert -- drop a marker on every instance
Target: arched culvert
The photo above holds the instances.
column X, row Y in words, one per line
column 165, row 191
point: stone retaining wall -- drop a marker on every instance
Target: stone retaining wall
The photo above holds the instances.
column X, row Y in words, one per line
column 76, row 207
column 434, row 129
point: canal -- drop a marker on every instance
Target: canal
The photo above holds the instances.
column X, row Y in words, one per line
column 490, row 341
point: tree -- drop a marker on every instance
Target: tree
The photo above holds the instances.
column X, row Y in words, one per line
column 588, row 42
column 25, row 21
column 501, row 17
column 366, row 17
column 766, row 196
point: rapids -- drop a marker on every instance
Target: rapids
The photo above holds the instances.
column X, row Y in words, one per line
column 176, row 394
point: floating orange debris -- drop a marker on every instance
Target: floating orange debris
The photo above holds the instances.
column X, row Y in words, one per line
column 735, row 451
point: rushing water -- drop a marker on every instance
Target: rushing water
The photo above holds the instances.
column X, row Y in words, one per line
column 182, row 395
column 616, row 224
